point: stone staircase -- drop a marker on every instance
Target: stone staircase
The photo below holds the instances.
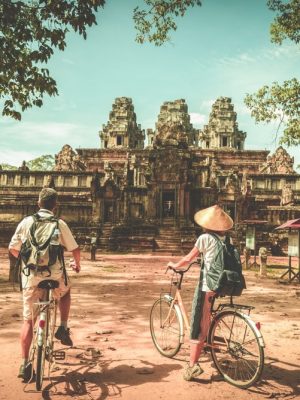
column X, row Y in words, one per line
column 104, row 240
column 169, row 238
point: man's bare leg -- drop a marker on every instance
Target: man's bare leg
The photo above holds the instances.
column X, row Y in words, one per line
column 64, row 306
column 63, row 333
column 26, row 338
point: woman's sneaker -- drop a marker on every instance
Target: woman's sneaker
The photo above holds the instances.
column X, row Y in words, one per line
column 63, row 335
column 192, row 372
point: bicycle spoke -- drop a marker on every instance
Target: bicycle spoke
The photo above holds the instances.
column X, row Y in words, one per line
column 165, row 328
column 240, row 360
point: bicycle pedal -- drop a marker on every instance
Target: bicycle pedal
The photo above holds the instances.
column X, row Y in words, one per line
column 59, row 355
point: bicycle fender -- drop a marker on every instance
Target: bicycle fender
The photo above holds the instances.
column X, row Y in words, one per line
column 257, row 331
column 169, row 299
column 41, row 330
column 181, row 323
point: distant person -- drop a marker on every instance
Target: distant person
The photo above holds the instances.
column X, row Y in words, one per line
column 31, row 274
column 215, row 222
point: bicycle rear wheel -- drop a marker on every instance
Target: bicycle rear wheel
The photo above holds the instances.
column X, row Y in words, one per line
column 166, row 327
column 236, row 349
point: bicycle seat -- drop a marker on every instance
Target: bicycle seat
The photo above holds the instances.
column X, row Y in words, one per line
column 48, row 284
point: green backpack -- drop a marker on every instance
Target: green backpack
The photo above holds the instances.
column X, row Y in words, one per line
column 42, row 248
column 225, row 275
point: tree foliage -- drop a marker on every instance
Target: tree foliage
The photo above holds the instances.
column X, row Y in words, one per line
column 286, row 24
column 42, row 163
column 30, row 31
column 281, row 102
column 154, row 22
column 7, row 167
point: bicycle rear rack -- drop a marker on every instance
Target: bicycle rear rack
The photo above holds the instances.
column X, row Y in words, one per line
column 237, row 307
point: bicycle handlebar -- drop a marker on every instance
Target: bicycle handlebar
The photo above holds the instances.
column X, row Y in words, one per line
column 181, row 271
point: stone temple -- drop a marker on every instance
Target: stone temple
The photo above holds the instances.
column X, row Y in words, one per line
column 129, row 195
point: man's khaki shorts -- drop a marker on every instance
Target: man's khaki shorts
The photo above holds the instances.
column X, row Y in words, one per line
column 33, row 294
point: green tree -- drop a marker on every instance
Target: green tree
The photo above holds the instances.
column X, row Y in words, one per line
column 42, row 163
column 154, row 22
column 281, row 102
column 7, row 167
column 30, row 31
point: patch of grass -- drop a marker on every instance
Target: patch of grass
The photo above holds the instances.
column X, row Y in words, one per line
column 107, row 268
column 110, row 268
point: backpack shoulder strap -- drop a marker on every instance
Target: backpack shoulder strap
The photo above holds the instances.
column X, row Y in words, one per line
column 216, row 237
column 227, row 240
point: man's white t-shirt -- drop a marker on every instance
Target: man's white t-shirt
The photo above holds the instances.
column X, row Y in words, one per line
column 66, row 239
column 206, row 244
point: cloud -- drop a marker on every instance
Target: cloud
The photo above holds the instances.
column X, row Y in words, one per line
column 241, row 109
column 68, row 61
column 15, row 157
column 38, row 138
column 198, row 119
column 253, row 56
column 207, row 104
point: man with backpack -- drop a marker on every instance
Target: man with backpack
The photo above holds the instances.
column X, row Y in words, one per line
column 220, row 275
column 38, row 243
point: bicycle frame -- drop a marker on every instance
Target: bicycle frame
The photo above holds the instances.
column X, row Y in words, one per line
column 177, row 300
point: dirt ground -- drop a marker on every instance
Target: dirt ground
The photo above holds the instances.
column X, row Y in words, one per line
column 113, row 356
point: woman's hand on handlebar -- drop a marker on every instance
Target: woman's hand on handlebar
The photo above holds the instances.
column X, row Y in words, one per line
column 171, row 265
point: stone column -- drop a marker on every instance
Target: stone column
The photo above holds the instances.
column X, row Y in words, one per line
column 247, row 255
column 263, row 255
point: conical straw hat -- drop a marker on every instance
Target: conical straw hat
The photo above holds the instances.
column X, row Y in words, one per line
column 214, row 219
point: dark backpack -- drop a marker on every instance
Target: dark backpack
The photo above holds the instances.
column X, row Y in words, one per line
column 225, row 274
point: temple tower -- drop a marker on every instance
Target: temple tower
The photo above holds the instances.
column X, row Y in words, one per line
column 122, row 130
column 222, row 129
column 173, row 127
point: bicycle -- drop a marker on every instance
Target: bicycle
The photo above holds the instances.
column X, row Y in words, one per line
column 43, row 342
column 234, row 340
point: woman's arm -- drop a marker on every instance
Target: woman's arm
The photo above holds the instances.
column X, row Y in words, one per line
column 186, row 259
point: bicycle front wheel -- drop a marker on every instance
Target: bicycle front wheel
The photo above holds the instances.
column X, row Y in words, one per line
column 236, row 349
column 166, row 327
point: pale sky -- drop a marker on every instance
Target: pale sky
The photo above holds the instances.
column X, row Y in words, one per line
column 220, row 49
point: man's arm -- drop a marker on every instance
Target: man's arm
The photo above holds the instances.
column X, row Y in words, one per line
column 16, row 240
column 14, row 252
column 75, row 264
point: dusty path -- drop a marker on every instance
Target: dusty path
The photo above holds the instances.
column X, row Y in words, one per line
column 114, row 357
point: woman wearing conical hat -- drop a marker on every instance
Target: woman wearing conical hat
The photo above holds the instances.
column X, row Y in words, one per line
column 215, row 223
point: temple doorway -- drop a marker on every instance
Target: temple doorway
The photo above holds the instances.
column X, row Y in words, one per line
column 108, row 211
column 168, row 200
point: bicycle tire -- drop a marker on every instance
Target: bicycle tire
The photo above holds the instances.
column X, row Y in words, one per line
column 41, row 356
column 236, row 348
column 166, row 331
column 50, row 334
